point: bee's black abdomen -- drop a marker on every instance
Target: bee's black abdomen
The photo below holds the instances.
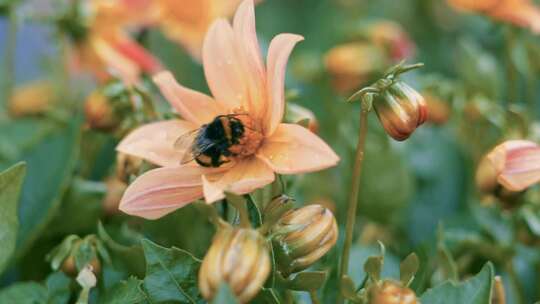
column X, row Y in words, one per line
column 219, row 135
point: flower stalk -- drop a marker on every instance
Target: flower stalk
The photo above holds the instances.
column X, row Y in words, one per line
column 355, row 190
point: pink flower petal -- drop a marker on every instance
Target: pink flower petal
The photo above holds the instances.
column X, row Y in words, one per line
column 135, row 52
column 250, row 56
column 278, row 55
column 293, row 149
column 155, row 142
column 161, row 191
column 244, row 177
column 223, row 67
column 517, row 163
column 193, row 106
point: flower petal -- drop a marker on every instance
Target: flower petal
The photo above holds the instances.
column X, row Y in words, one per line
column 136, row 53
column 250, row 55
column 126, row 69
column 518, row 164
column 223, row 67
column 278, row 55
column 161, row 191
column 193, row 106
column 293, row 149
column 154, row 142
column 244, row 177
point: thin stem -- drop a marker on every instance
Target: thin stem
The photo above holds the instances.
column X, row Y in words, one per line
column 353, row 198
column 239, row 204
column 9, row 60
column 511, row 71
column 313, row 296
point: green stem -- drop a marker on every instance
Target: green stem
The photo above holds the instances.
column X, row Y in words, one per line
column 511, row 71
column 313, row 296
column 239, row 204
column 9, row 61
column 353, row 198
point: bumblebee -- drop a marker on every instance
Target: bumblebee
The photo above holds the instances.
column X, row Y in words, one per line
column 213, row 144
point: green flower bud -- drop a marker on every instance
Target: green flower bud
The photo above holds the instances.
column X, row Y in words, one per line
column 400, row 109
column 238, row 257
column 302, row 236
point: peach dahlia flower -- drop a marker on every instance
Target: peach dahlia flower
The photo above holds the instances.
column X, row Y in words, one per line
column 514, row 164
column 522, row 13
column 108, row 47
column 240, row 83
column 187, row 21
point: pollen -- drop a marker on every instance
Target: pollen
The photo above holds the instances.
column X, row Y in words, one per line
column 250, row 141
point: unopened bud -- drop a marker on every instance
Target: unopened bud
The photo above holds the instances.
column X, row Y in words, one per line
column 278, row 206
column 303, row 236
column 400, row 109
column 127, row 166
column 391, row 292
column 515, row 165
column 238, row 257
column 115, row 190
column 99, row 112
column 32, row 99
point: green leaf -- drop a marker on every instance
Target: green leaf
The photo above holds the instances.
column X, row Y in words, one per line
column 58, row 288
column 307, row 280
column 50, row 161
column 408, row 268
column 130, row 258
column 476, row 290
column 126, row 292
column 171, row 274
column 348, row 288
column 24, row 293
column 224, row 295
column 10, row 188
column 254, row 213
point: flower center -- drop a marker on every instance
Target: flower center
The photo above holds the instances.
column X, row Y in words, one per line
column 251, row 138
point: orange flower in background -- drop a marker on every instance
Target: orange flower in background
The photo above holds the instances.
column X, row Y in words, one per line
column 522, row 13
column 393, row 37
column 32, row 98
column 248, row 100
column 108, row 48
column 352, row 64
column 514, row 164
column 187, row 21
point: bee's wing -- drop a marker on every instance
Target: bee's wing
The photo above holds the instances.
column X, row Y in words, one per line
column 186, row 143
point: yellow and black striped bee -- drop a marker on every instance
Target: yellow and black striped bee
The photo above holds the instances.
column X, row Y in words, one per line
column 210, row 145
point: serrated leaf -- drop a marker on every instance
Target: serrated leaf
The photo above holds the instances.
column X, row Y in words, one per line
column 476, row 290
column 125, row 292
column 129, row 257
column 408, row 268
column 24, row 293
column 224, row 295
column 307, row 280
column 171, row 274
column 10, row 187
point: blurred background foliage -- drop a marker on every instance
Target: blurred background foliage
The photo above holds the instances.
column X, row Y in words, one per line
column 417, row 195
